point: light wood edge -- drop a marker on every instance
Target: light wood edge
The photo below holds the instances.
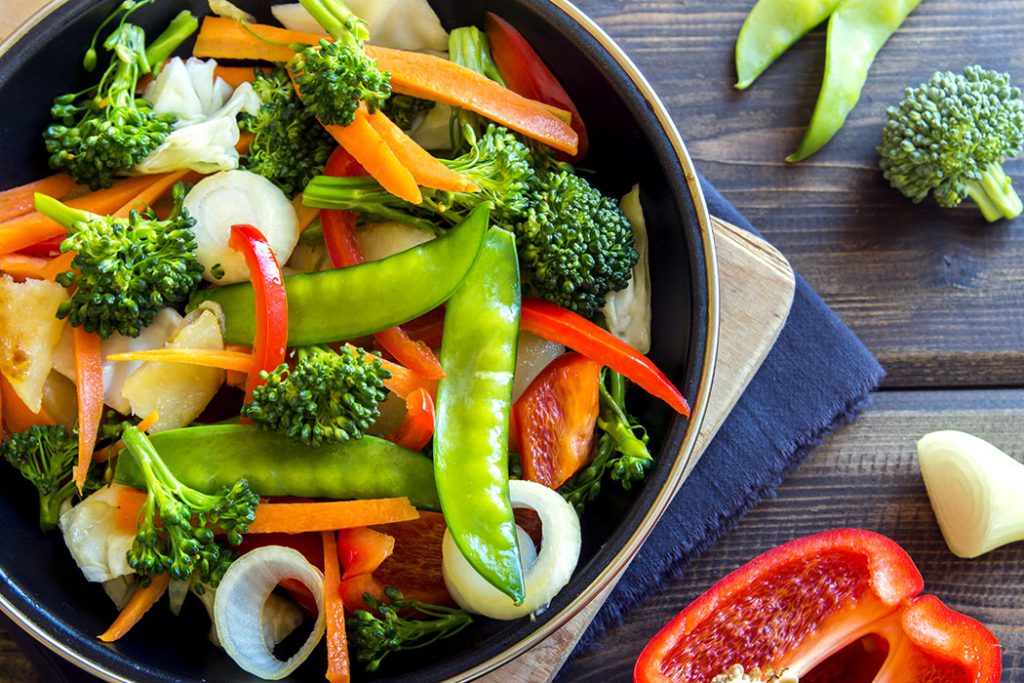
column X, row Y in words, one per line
column 757, row 286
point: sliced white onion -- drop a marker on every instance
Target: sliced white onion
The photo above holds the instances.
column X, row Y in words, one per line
column 628, row 311
column 533, row 354
column 238, row 609
column 544, row 576
column 177, row 589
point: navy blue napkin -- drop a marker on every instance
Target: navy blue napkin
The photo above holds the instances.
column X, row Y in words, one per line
column 817, row 377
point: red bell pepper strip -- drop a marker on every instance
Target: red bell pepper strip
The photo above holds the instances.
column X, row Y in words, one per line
column 343, row 249
column 795, row 606
column 271, row 338
column 89, row 384
column 525, row 73
column 361, row 550
column 418, row 427
column 555, row 419
column 338, row 665
column 561, row 325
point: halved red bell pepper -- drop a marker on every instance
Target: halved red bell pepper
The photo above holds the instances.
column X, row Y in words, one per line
column 557, row 324
column 795, row 606
column 343, row 249
column 526, row 74
column 555, row 419
column 271, row 338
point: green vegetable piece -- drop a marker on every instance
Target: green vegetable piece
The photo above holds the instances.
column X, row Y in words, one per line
column 345, row 303
column 856, row 32
column 161, row 49
column 183, row 541
column 209, row 457
column 478, row 352
column 950, row 136
column 327, row 397
column 770, row 29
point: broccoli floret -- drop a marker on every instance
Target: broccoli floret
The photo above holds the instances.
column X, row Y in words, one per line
column 183, row 541
column 334, row 77
column 403, row 109
column 46, row 456
column 621, row 446
column 106, row 129
column 950, row 136
column 328, row 397
column 373, row 638
column 575, row 245
column 126, row 269
column 289, row 147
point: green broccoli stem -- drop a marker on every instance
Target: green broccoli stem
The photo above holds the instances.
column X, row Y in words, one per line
column 160, row 481
column 339, row 21
column 994, row 194
column 614, row 420
column 176, row 33
column 468, row 46
column 63, row 214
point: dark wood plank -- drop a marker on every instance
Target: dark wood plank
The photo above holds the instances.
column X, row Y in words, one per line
column 934, row 293
column 866, row 476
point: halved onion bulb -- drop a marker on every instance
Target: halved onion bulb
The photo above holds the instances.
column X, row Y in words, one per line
column 975, row 491
column 544, row 575
column 238, row 609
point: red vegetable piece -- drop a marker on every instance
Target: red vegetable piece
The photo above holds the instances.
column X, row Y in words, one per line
column 361, row 550
column 352, row 590
column 525, row 73
column 557, row 324
column 555, row 419
column 271, row 338
column 415, row 566
column 418, row 427
column 795, row 606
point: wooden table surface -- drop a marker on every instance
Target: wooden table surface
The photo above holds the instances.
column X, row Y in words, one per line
column 937, row 295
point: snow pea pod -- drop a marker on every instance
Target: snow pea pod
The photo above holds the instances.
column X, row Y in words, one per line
column 856, row 32
column 478, row 352
column 770, row 29
column 352, row 302
column 211, row 456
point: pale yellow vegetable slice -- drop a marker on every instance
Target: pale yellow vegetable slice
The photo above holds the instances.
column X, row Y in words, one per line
column 179, row 392
column 29, row 331
column 975, row 490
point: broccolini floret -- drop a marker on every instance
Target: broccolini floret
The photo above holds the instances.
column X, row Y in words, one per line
column 335, row 77
column 177, row 523
column 46, row 456
column 621, row 447
column 327, row 397
column 106, row 129
column 126, row 269
column 289, row 147
column 950, row 136
column 373, row 638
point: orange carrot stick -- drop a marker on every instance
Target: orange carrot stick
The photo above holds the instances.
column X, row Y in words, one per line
column 296, row 518
column 110, row 451
column 89, row 381
column 433, row 78
column 16, row 415
column 157, row 189
column 57, row 265
column 210, row 358
column 129, row 504
column 338, row 669
column 20, row 200
column 306, row 214
column 140, row 602
column 244, row 142
column 228, row 39
column 369, row 149
column 235, row 75
column 425, row 168
column 21, row 266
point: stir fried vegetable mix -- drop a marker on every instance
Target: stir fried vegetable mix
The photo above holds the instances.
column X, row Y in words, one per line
column 438, row 328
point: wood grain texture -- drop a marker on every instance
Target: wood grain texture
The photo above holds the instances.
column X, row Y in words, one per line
column 865, row 476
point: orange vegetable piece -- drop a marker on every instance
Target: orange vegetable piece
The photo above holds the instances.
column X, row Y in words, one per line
column 369, row 149
column 415, row 566
column 294, row 518
column 89, row 382
column 338, row 666
column 210, row 358
column 424, row 166
column 16, row 415
column 137, row 606
column 228, row 39
column 17, row 201
column 361, row 550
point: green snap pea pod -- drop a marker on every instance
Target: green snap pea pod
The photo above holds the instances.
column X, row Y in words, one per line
column 856, row 32
column 478, row 352
column 211, row 456
column 353, row 302
column 770, row 29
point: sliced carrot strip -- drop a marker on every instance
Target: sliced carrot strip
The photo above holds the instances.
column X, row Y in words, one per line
column 129, row 504
column 20, row 200
column 228, row 39
column 89, row 382
column 338, row 667
column 296, row 518
column 245, row 139
column 433, row 78
column 225, row 360
column 370, row 150
column 155, row 191
column 21, row 266
column 306, row 214
column 57, row 265
column 137, row 606
column 235, row 75
column 424, row 166
column 16, row 415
